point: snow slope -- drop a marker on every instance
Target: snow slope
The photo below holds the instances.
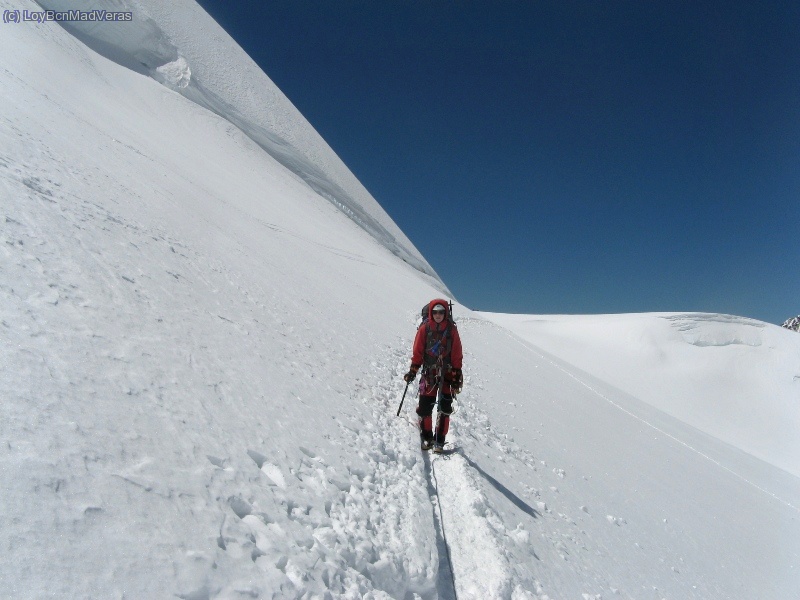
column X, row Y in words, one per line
column 201, row 365
column 178, row 44
column 734, row 378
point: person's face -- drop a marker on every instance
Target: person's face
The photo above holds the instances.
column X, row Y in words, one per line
column 438, row 315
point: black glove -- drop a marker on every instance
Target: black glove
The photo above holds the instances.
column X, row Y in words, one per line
column 412, row 374
column 455, row 378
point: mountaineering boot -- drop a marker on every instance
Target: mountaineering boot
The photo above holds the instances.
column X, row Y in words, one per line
column 425, row 432
column 442, row 427
column 426, row 439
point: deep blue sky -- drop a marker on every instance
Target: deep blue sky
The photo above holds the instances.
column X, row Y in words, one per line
column 562, row 157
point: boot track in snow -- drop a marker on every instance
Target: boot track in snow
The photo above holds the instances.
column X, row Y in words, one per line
column 472, row 562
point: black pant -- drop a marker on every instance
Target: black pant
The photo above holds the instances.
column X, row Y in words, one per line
column 426, row 404
column 425, row 410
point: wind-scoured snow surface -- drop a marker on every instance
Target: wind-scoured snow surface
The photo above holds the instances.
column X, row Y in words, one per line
column 178, row 44
column 739, row 379
column 201, row 365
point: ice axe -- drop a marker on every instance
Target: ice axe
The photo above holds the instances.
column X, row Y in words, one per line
column 404, row 398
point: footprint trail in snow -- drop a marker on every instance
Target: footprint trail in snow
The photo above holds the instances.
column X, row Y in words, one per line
column 472, row 561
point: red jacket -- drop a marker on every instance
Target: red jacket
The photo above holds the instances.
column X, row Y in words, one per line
column 456, row 354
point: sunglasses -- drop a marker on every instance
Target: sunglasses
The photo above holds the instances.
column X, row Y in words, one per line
column 438, row 312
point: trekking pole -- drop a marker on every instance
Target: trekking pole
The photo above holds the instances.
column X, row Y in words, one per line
column 404, row 398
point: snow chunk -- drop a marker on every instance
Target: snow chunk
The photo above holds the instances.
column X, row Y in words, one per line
column 175, row 74
column 275, row 474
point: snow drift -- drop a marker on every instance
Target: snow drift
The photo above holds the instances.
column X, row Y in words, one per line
column 201, row 365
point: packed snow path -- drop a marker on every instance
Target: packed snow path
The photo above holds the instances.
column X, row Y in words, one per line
column 422, row 516
column 470, row 538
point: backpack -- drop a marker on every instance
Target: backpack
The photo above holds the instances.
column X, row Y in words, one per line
column 424, row 313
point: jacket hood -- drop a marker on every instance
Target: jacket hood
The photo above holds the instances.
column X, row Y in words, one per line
column 433, row 303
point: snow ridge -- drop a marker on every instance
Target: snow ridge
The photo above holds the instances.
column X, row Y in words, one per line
column 704, row 330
